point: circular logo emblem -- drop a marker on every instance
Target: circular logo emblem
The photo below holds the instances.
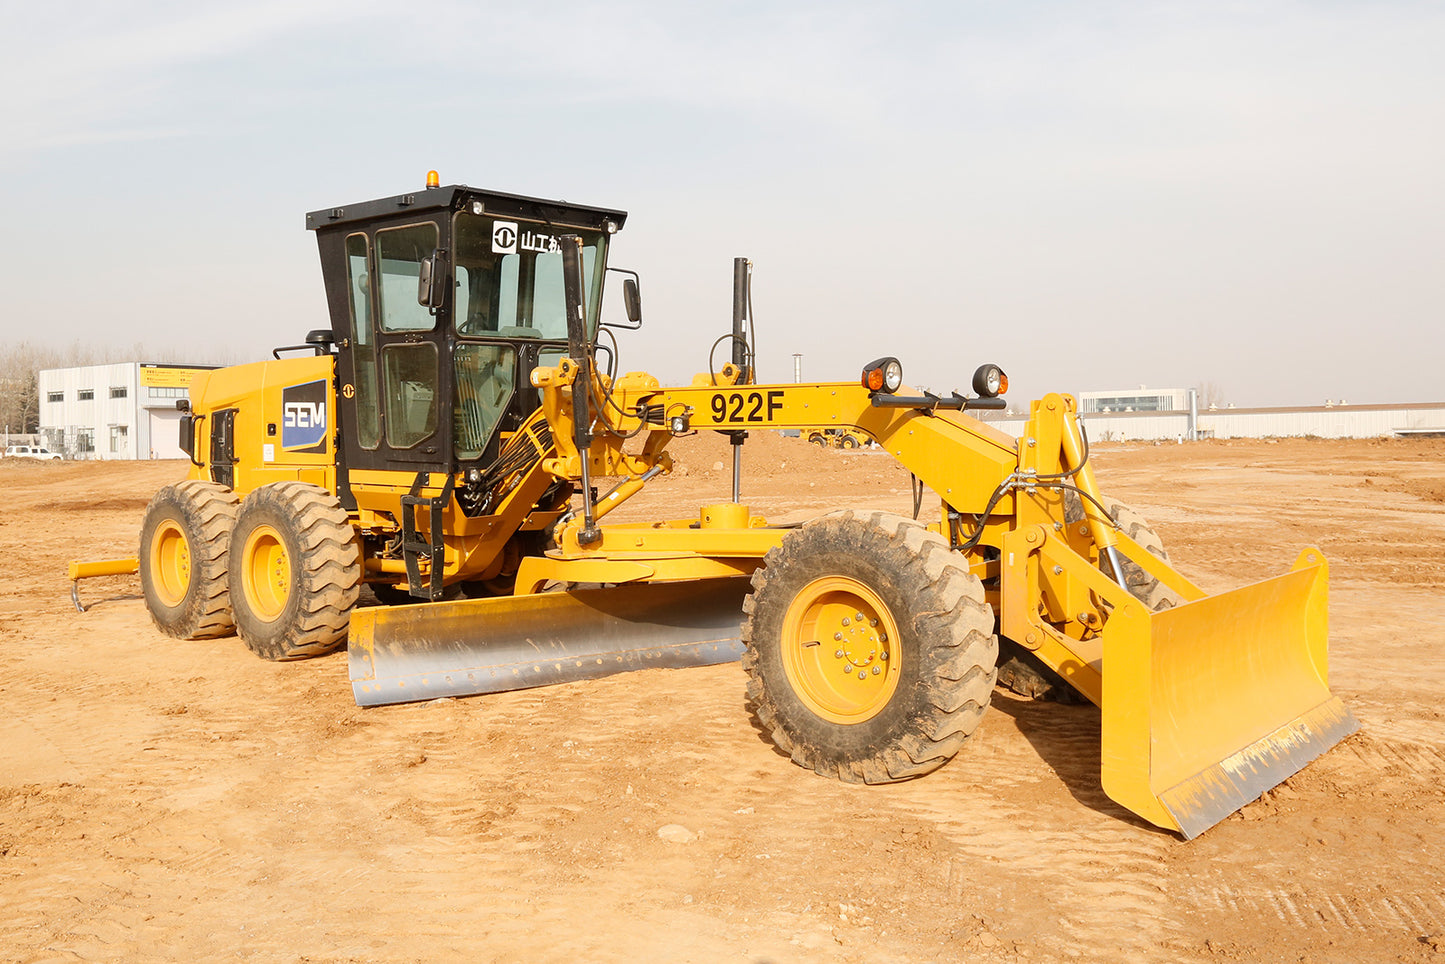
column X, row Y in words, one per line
column 505, row 236
column 348, row 390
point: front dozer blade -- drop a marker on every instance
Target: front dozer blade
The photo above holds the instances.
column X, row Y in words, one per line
column 401, row 654
column 1208, row 705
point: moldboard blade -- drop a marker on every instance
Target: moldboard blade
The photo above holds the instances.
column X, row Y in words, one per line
column 1209, row 704
column 402, row 654
column 1209, row 796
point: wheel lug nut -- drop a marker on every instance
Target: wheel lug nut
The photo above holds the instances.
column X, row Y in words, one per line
column 845, row 621
column 860, row 617
column 848, row 669
column 872, row 622
column 838, row 636
column 838, row 654
column 876, row 671
column 883, row 656
column 862, row 675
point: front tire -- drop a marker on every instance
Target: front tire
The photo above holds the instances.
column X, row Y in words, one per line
column 296, row 571
column 185, row 540
column 1142, row 586
column 924, row 648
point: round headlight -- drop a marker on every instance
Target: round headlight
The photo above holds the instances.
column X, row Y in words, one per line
column 990, row 381
column 893, row 376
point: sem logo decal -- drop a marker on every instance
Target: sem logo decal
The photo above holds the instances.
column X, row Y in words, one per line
column 504, row 237
column 303, row 417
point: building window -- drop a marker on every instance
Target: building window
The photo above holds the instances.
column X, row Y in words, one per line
column 118, row 392
column 167, row 392
column 55, row 396
column 85, row 395
column 85, row 440
column 1132, row 403
column 118, row 435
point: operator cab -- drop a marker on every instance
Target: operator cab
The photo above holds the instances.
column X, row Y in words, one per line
column 442, row 302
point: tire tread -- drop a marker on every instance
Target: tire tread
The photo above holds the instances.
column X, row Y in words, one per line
column 953, row 625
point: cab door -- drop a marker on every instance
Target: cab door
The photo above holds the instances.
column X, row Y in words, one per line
column 396, row 376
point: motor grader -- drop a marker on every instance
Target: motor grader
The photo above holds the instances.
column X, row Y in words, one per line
column 444, row 439
column 839, row 438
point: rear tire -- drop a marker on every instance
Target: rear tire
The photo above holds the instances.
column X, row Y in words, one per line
column 1021, row 672
column 925, row 647
column 296, row 571
column 185, row 540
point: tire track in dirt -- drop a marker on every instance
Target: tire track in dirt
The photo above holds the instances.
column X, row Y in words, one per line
column 1418, row 760
column 1331, row 910
column 1049, row 830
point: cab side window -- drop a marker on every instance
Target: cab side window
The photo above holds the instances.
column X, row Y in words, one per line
column 484, row 378
column 400, row 252
column 409, row 374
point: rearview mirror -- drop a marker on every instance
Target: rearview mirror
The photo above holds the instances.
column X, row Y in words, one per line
column 632, row 298
column 429, row 277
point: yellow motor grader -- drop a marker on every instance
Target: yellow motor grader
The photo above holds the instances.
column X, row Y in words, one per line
column 839, row 438
column 442, row 440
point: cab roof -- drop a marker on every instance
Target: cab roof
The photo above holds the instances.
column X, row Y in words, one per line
column 455, row 197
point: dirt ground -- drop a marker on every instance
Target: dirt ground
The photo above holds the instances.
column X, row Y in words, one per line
column 165, row 800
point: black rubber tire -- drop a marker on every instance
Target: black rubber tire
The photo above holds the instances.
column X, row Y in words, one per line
column 202, row 513
column 1142, row 586
column 848, row 442
column 945, row 646
column 1021, row 672
column 504, row 583
column 818, row 439
column 323, row 571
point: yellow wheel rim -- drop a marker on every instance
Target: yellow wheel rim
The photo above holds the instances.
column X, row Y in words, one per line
column 170, row 563
column 266, row 573
column 840, row 650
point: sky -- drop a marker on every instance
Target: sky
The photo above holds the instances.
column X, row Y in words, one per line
column 1247, row 198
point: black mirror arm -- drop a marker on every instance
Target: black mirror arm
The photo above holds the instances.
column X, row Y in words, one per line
column 631, row 298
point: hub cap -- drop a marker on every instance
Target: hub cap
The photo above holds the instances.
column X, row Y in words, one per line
column 840, row 650
column 266, row 573
column 170, row 563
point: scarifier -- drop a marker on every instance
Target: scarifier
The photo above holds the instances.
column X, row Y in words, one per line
column 445, row 437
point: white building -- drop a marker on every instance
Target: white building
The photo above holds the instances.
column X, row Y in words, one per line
column 1139, row 399
column 1327, row 421
column 122, row 411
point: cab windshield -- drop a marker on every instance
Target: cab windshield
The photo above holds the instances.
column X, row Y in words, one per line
column 509, row 278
